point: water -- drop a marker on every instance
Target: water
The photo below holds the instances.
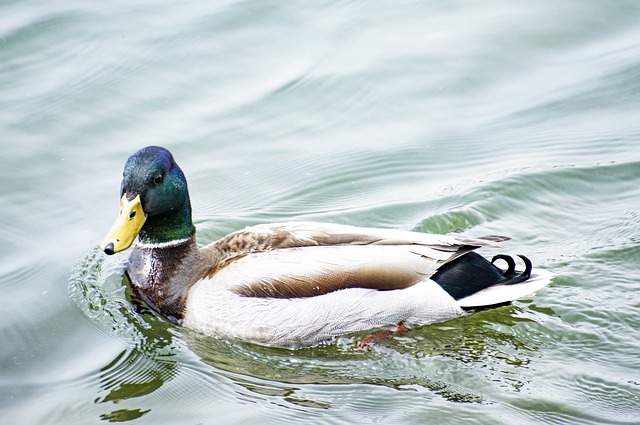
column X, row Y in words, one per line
column 519, row 119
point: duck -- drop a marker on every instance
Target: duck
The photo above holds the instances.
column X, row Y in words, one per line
column 297, row 284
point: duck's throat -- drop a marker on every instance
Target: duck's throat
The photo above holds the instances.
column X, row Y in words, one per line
column 167, row 228
column 162, row 273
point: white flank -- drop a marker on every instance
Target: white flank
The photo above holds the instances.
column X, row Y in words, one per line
column 295, row 322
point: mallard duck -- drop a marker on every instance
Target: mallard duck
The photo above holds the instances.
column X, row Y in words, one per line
column 300, row 283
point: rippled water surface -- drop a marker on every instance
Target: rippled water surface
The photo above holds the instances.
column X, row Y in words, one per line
column 496, row 118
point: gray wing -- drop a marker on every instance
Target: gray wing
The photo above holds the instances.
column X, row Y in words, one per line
column 306, row 259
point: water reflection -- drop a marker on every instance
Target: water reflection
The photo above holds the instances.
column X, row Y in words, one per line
column 124, row 415
column 132, row 374
column 102, row 292
column 429, row 358
column 277, row 372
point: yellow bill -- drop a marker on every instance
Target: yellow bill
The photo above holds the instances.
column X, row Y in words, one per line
column 127, row 226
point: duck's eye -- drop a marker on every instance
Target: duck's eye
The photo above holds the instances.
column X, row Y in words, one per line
column 159, row 179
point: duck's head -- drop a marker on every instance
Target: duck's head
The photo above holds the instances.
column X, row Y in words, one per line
column 154, row 201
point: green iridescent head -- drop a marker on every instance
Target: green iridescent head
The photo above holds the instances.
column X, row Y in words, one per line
column 155, row 202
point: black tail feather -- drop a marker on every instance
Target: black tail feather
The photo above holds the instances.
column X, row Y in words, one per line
column 511, row 264
column 471, row 273
column 519, row 278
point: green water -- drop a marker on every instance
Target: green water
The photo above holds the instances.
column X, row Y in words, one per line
column 496, row 118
